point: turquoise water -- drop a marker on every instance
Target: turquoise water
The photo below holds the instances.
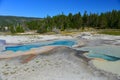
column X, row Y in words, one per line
column 68, row 43
column 103, row 56
column 111, row 53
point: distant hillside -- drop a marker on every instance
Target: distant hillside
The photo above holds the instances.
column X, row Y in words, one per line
column 13, row 20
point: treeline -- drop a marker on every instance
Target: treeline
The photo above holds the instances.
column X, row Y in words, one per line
column 61, row 22
column 107, row 20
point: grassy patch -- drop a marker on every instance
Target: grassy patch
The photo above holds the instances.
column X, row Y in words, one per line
column 110, row 31
column 68, row 33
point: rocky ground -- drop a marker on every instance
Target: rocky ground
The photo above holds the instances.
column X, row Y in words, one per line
column 59, row 64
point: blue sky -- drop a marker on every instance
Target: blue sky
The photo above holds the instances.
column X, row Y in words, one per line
column 42, row 8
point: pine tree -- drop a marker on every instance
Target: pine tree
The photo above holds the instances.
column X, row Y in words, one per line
column 19, row 29
column 12, row 29
column 102, row 21
column 85, row 19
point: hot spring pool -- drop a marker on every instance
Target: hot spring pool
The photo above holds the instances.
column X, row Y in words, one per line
column 110, row 53
column 26, row 47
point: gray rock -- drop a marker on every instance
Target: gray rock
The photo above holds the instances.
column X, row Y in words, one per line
column 1, row 78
